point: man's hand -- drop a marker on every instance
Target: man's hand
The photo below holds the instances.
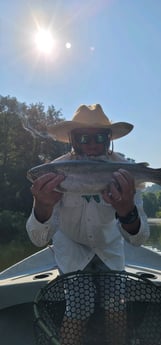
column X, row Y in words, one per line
column 45, row 197
column 120, row 192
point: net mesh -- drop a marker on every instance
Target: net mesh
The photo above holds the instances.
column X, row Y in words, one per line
column 104, row 309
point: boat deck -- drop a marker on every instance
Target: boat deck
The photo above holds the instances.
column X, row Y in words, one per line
column 17, row 321
column 20, row 284
column 16, row 325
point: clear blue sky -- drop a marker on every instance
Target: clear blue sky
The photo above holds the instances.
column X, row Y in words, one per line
column 114, row 60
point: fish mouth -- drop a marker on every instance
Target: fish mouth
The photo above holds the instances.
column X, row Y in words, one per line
column 30, row 177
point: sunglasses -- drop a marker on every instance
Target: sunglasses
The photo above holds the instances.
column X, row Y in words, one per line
column 99, row 138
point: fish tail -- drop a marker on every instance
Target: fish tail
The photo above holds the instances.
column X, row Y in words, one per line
column 156, row 176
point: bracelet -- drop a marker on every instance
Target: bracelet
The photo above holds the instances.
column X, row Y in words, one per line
column 130, row 218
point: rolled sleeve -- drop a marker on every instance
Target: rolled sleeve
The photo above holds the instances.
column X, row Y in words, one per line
column 144, row 230
column 39, row 233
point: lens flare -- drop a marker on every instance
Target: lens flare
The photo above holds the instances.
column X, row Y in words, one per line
column 44, row 41
column 68, row 45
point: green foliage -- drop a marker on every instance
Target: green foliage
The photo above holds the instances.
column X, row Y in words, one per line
column 152, row 204
column 12, row 226
column 158, row 195
column 158, row 214
column 23, row 143
column 15, row 251
column 154, row 188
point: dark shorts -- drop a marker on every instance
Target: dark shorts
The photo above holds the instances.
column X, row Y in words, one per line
column 88, row 288
column 96, row 265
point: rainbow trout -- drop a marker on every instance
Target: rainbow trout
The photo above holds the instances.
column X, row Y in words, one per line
column 91, row 177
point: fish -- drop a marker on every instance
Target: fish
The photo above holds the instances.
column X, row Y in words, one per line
column 92, row 176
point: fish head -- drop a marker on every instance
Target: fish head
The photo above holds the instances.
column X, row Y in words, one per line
column 39, row 170
column 32, row 175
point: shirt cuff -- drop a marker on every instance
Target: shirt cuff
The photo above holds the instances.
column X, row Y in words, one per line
column 143, row 233
column 39, row 233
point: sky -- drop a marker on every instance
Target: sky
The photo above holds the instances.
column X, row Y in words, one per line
column 113, row 58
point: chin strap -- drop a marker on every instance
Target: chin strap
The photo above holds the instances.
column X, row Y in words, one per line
column 110, row 152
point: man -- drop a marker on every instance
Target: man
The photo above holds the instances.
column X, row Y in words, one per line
column 88, row 231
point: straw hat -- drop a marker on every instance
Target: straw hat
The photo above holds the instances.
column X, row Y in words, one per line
column 91, row 116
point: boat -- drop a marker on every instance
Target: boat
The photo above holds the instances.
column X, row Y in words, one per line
column 20, row 286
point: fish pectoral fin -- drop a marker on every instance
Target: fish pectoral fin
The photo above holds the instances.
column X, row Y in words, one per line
column 60, row 189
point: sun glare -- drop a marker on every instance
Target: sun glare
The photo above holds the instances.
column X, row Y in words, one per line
column 68, row 45
column 44, row 41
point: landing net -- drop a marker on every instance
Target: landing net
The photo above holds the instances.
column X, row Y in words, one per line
column 104, row 309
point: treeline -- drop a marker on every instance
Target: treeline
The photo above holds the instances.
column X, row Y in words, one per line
column 152, row 204
column 24, row 143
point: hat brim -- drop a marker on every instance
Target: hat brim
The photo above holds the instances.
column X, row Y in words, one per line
column 61, row 131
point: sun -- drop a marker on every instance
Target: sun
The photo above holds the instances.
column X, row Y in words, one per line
column 44, row 41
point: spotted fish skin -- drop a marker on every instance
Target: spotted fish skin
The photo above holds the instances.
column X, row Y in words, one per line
column 92, row 176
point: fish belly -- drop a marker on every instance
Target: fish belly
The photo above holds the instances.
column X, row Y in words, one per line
column 83, row 184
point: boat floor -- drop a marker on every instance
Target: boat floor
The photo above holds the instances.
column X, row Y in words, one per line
column 20, row 284
column 17, row 322
column 16, row 325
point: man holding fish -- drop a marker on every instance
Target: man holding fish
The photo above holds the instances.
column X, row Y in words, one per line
column 88, row 230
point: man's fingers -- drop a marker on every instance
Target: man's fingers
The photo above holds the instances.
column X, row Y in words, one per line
column 46, row 182
column 52, row 184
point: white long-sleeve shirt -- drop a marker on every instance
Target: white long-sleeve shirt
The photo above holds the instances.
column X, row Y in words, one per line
column 80, row 229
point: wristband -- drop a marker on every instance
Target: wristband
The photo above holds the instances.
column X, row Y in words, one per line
column 130, row 218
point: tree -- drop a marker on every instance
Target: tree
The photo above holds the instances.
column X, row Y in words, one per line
column 158, row 213
column 23, row 143
column 150, row 204
column 15, row 149
column 158, row 194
